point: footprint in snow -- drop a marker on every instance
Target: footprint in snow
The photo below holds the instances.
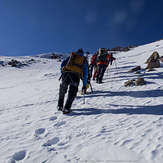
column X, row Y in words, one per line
column 52, row 118
column 50, row 75
column 60, row 124
column 51, row 142
column 18, row 156
column 39, row 131
column 125, row 142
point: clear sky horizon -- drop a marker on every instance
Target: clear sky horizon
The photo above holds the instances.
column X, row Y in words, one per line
column 30, row 27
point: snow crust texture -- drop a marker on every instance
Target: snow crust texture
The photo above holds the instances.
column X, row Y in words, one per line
column 116, row 124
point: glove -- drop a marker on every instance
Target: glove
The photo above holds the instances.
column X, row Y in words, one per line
column 84, row 89
column 63, row 68
column 87, row 86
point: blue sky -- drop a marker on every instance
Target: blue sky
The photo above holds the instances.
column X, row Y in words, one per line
column 29, row 27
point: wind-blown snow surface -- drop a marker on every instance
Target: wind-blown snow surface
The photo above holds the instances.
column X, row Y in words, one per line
column 116, row 124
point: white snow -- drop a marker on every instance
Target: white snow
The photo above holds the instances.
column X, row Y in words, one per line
column 116, row 124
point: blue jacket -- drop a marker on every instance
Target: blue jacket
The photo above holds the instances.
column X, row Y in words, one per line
column 85, row 70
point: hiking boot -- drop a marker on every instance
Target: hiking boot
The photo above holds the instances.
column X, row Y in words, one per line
column 66, row 111
column 60, row 108
column 100, row 81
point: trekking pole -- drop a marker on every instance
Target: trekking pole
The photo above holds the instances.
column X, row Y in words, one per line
column 83, row 98
column 107, row 70
column 91, row 87
column 115, row 64
column 60, row 77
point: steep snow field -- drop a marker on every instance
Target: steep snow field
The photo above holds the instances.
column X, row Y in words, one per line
column 116, row 123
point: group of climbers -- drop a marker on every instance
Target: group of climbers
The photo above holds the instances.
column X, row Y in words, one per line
column 76, row 67
column 99, row 62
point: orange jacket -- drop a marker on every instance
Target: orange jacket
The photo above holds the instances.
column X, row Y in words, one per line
column 105, row 62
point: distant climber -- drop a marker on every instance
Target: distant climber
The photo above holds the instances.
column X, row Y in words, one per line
column 110, row 58
column 93, row 65
column 102, row 61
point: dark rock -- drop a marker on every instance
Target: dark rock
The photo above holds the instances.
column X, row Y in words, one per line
column 2, row 63
column 55, row 56
column 133, row 82
column 123, row 49
column 135, row 69
column 153, row 61
column 15, row 63
column 129, row 83
column 154, row 57
column 140, row 81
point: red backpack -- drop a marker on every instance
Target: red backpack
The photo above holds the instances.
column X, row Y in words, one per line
column 94, row 59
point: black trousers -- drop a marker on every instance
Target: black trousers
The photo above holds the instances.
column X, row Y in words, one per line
column 101, row 68
column 69, row 80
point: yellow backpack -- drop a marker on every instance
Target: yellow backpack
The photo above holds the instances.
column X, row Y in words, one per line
column 75, row 64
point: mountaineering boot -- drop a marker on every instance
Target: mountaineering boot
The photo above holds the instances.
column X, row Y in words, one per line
column 84, row 89
column 66, row 111
column 71, row 96
column 60, row 104
column 62, row 92
column 100, row 81
column 60, row 108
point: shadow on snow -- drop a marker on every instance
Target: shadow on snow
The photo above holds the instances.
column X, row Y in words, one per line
column 127, row 109
column 135, row 94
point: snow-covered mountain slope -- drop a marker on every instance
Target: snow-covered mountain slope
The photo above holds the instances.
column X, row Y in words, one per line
column 116, row 123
